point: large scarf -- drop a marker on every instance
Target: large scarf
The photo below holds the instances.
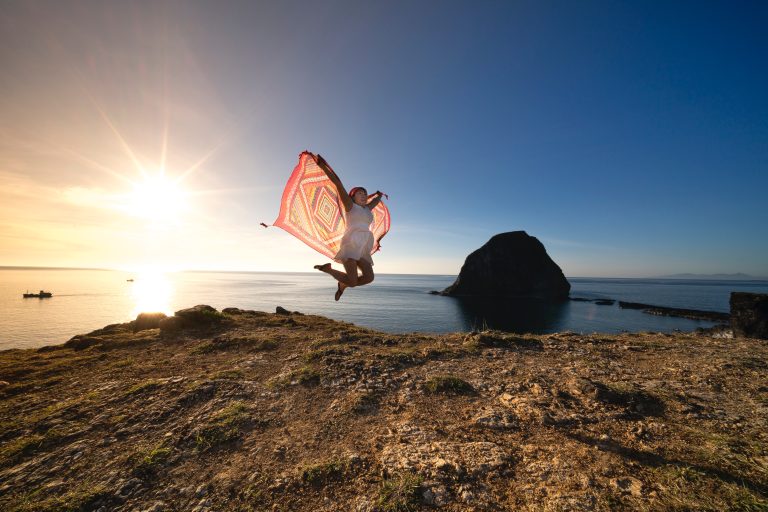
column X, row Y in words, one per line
column 312, row 212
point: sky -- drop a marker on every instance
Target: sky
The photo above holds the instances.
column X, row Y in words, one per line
column 630, row 138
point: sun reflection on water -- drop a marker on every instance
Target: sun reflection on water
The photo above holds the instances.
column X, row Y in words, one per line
column 152, row 293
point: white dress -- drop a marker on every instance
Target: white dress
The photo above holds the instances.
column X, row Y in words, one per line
column 357, row 242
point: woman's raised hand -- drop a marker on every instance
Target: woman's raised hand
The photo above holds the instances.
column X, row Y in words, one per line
column 321, row 161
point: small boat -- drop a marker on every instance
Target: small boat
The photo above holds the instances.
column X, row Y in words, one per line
column 130, row 280
column 41, row 295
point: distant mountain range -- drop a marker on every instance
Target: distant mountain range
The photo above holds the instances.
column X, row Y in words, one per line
column 740, row 276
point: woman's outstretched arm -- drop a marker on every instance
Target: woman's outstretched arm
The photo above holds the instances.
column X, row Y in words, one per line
column 375, row 201
column 343, row 195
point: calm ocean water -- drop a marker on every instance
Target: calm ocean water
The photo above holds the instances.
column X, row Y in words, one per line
column 85, row 300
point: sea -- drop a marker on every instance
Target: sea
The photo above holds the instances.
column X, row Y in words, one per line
column 85, row 300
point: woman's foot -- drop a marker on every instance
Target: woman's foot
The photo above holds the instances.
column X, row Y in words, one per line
column 325, row 267
column 339, row 290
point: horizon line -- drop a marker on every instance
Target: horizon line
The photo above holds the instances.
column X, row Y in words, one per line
column 722, row 275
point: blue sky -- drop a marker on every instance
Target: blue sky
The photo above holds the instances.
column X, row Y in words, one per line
column 630, row 138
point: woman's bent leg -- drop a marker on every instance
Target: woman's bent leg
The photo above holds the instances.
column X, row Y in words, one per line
column 351, row 278
column 367, row 270
column 351, row 267
column 348, row 278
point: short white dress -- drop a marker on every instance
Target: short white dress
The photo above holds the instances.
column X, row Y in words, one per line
column 357, row 242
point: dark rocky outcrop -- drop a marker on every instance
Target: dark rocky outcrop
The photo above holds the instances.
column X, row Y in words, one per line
column 512, row 264
column 693, row 314
column 599, row 302
column 749, row 314
column 198, row 317
column 82, row 341
column 147, row 321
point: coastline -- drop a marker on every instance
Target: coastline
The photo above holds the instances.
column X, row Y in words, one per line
column 84, row 301
column 243, row 410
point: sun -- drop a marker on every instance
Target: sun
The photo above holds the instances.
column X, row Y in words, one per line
column 157, row 198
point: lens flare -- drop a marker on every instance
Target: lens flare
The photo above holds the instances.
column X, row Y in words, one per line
column 152, row 292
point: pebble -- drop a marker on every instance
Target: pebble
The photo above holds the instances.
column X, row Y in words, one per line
column 467, row 496
column 628, row 485
column 443, row 465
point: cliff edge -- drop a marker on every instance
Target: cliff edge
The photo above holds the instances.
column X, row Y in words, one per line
column 246, row 410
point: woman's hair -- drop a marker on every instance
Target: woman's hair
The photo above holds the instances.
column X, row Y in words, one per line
column 354, row 190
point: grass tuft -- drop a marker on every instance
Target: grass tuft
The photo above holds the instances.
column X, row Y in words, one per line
column 143, row 387
column 448, row 384
column 305, row 376
column 229, row 375
column 148, row 462
column 320, row 474
column 400, row 494
column 224, row 426
column 80, row 498
column 25, row 445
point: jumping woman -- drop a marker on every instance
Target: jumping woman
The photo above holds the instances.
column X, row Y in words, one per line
column 357, row 242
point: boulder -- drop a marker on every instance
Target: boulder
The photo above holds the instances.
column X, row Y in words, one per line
column 749, row 315
column 198, row 317
column 147, row 321
column 200, row 314
column 82, row 341
column 512, row 264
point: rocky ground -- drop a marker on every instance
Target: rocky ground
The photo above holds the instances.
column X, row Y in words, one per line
column 243, row 410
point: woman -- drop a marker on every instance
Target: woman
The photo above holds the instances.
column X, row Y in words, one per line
column 357, row 242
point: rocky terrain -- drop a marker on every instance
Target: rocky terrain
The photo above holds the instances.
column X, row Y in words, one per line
column 244, row 410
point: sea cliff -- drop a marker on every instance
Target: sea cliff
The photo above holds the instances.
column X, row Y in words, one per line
column 246, row 410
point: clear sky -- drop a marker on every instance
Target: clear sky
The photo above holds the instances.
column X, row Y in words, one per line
column 631, row 138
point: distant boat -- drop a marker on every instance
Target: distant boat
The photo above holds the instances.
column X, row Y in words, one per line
column 129, row 280
column 41, row 295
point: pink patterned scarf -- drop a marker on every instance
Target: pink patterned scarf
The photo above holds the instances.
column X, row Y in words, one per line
column 312, row 212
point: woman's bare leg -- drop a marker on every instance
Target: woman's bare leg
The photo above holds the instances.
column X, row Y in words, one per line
column 367, row 270
column 351, row 278
column 348, row 278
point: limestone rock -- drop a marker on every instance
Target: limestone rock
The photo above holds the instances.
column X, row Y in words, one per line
column 512, row 264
